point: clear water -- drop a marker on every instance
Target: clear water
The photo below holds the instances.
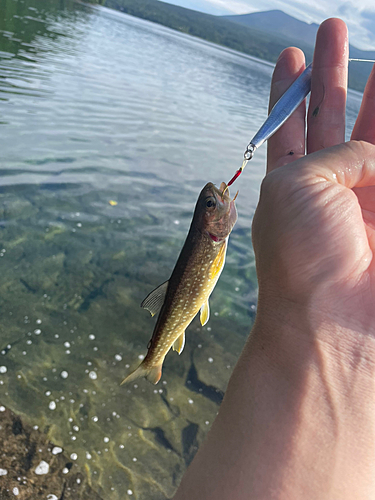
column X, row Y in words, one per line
column 98, row 106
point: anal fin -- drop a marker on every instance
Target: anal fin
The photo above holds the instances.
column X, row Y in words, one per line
column 179, row 344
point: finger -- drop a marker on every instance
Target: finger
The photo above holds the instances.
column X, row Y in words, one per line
column 326, row 115
column 351, row 164
column 289, row 141
column 364, row 128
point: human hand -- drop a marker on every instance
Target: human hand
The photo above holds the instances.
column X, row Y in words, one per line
column 297, row 419
column 314, row 228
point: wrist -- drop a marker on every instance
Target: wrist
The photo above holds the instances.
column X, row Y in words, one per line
column 292, row 337
column 315, row 398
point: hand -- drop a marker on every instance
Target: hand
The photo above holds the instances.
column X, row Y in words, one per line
column 314, row 228
column 298, row 416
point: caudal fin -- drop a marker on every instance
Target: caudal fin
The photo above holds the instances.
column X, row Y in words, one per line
column 152, row 374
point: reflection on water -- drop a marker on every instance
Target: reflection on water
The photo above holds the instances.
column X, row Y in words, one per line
column 98, row 106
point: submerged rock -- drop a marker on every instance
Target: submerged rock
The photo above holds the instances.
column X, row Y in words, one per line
column 29, row 469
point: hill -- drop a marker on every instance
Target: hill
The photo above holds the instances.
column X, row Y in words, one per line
column 261, row 34
column 214, row 29
column 277, row 22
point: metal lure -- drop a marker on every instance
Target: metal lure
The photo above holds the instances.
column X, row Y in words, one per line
column 281, row 111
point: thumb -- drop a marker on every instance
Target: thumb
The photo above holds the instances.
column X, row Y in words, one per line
column 351, row 164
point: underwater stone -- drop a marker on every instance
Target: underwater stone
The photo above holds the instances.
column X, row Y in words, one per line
column 42, row 468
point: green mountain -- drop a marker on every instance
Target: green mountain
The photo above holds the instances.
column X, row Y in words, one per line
column 262, row 34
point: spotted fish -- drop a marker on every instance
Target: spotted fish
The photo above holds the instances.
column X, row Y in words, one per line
column 194, row 277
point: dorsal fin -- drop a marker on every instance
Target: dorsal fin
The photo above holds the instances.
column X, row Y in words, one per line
column 155, row 299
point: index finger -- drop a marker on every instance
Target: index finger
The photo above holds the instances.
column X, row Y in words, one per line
column 288, row 143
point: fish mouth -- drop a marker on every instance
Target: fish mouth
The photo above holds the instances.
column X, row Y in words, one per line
column 227, row 220
column 233, row 212
column 225, row 197
column 225, row 193
column 224, row 187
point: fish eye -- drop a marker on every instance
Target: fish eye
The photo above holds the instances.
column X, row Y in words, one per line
column 210, row 202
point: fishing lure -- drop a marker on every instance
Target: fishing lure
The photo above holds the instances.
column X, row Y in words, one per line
column 280, row 112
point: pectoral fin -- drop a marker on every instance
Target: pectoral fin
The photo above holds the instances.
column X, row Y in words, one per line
column 179, row 343
column 155, row 299
column 205, row 313
column 218, row 263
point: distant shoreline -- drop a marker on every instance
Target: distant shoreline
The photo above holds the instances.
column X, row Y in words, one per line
column 226, row 34
column 198, row 39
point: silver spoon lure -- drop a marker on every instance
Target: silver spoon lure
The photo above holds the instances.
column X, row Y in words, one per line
column 280, row 112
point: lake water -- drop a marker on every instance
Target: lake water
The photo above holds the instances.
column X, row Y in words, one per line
column 97, row 106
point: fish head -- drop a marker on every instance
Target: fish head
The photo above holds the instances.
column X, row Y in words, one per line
column 215, row 212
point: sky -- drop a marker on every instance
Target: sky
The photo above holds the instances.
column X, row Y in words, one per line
column 359, row 15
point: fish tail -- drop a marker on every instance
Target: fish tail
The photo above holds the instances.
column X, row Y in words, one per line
column 152, row 373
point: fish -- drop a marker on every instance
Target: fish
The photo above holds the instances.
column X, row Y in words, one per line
column 192, row 281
